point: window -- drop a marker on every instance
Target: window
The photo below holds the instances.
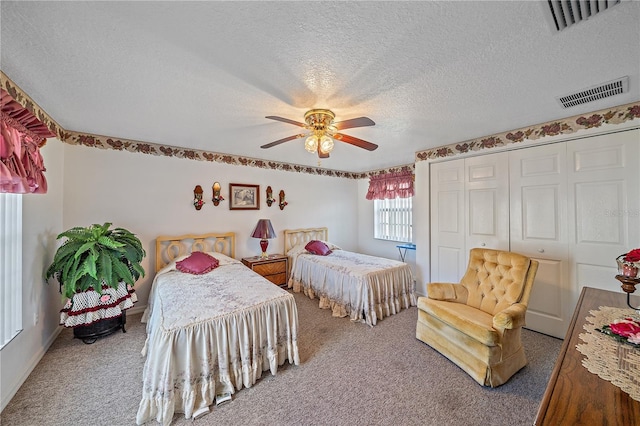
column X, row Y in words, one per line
column 393, row 219
column 10, row 266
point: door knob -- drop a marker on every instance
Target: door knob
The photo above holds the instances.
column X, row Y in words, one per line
column 540, row 250
column 482, row 244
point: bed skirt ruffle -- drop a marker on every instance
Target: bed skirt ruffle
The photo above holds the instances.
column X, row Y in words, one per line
column 361, row 298
column 187, row 367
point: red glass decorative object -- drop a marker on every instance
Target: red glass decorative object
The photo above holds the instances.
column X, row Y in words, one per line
column 263, row 245
column 629, row 271
column 264, row 231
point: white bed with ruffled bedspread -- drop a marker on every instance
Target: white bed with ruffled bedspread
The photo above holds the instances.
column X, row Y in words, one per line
column 364, row 288
column 209, row 335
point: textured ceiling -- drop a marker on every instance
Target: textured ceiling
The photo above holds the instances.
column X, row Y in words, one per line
column 205, row 74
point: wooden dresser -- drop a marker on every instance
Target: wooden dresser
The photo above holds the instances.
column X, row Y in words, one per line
column 574, row 396
column 274, row 267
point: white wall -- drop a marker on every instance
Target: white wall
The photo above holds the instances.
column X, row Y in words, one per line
column 152, row 195
column 42, row 222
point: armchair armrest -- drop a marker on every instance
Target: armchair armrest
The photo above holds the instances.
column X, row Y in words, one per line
column 510, row 318
column 447, row 291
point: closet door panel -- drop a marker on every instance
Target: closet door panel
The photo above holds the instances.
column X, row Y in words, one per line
column 603, row 201
column 482, row 224
column 447, row 221
column 539, row 230
column 546, row 299
column 540, row 213
column 449, row 261
column 487, row 201
column 591, row 200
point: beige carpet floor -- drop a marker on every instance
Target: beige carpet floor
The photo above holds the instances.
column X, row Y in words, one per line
column 349, row 374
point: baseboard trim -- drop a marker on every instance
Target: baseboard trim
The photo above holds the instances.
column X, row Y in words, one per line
column 136, row 310
column 35, row 359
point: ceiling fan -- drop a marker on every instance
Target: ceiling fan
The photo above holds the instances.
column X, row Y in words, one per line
column 323, row 130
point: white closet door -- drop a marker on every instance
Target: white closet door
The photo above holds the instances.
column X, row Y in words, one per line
column 448, row 256
column 487, row 202
column 539, row 230
column 603, row 206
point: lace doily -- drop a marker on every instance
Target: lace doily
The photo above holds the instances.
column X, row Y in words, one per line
column 613, row 361
column 87, row 307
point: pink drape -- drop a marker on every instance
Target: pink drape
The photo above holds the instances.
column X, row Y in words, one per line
column 390, row 185
column 21, row 135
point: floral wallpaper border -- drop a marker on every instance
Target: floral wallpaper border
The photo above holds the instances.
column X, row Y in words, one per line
column 615, row 115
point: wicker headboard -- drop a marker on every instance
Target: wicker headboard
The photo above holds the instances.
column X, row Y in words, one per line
column 169, row 248
column 292, row 237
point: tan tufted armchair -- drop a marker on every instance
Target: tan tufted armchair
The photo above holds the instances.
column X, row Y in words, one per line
column 477, row 323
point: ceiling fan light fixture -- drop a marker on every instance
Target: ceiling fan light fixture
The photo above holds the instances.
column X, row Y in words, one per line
column 311, row 144
column 326, row 144
column 322, row 131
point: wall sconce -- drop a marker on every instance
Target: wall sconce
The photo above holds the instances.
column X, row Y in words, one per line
column 264, row 231
column 270, row 198
column 198, row 202
column 282, row 203
column 216, row 194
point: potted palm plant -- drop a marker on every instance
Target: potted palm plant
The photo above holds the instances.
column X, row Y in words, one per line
column 97, row 268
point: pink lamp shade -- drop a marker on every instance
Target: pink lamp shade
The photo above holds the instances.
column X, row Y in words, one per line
column 264, row 231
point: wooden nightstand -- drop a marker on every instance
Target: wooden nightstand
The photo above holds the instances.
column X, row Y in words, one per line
column 274, row 267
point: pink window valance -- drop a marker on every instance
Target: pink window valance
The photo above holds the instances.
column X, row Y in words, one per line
column 21, row 136
column 391, row 185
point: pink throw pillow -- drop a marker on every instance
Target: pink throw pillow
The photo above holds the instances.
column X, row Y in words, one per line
column 318, row 247
column 197, row 263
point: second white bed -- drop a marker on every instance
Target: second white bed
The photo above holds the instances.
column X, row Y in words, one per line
column 362, row 287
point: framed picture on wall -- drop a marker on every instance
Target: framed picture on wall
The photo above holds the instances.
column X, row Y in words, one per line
column 244, row 196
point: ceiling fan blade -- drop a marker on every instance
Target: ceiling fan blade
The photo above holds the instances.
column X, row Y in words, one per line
column 322, row 154
column 286, row 120
column 279, row 141
column 355, row 141
column 354, row 122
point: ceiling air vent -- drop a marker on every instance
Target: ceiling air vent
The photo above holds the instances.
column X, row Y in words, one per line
column 615, row 87
column 564, row 13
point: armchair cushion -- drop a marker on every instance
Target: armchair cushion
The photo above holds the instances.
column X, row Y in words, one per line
column 447, row 291
column 495, row 279
column 471, row 321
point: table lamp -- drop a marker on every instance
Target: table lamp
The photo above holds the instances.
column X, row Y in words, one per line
column 264, row 231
